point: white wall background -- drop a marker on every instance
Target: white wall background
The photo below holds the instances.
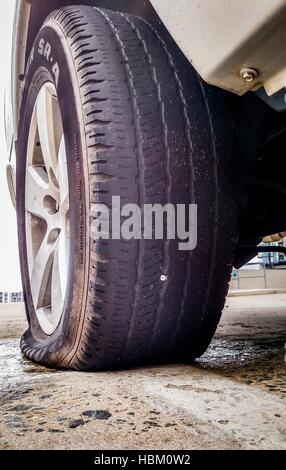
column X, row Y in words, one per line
column 9, row 265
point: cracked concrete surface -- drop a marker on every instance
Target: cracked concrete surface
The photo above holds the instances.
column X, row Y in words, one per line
column 232, row 398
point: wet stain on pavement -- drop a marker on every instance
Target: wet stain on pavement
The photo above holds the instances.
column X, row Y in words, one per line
column 252, row 350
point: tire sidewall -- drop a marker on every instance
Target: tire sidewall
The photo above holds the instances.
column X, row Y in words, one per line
column 55, row 67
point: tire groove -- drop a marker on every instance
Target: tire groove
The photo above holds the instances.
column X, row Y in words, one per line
column 169, row 181
column 140, row 161
column 188, row 127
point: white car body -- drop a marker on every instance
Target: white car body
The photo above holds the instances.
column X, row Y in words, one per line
column 222, row 37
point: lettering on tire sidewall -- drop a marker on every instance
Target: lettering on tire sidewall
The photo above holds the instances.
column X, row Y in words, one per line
column 45, row 50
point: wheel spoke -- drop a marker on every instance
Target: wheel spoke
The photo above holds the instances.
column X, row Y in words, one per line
column 63, row 258
column 41, row 272
column 50, row 131
column 57, row 288
column 37, row 188
column 63, row 176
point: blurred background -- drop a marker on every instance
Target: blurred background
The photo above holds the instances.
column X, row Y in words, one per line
column 9, row 266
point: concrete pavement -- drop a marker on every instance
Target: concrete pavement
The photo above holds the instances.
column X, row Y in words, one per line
column 232, row 398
